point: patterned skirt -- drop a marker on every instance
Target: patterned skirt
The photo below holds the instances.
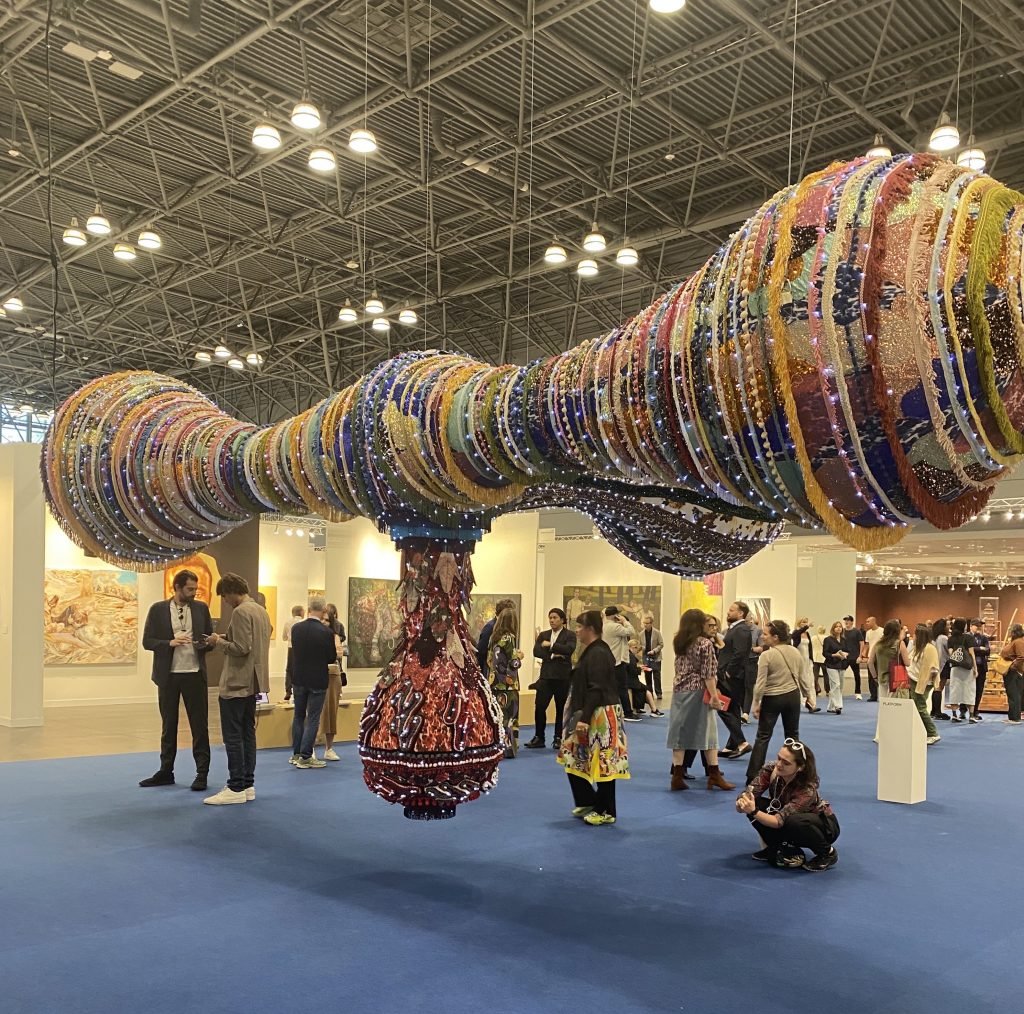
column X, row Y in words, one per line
column 602, row 756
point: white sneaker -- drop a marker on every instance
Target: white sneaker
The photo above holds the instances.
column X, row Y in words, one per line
column 250, row 794
column 932, row 740
column 330, row 755
column 294, row 759
column 225, row 797
column 858, row 697
column 286, row 704
column 313, row 762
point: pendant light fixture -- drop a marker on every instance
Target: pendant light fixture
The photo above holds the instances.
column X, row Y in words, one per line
column 407, row 317
column 667, row 6
column 149, row 240
column 202, row 356
column 374, row 306
column 25, row 409
column 594, row 242
column 363, row 141
column 98, row 223
column 348, row 314
column 222, row 352
column 945, row 136
column 587, row 268
column 627, row 257
column 13, row 304
column 305, row 116
column 234, row 363
column 879, row 149
column 972, row 157
column 321, row 160
column 254, row 358
column 266, row 137
column 124, row 251
column 555, row 254
column 74, row 235
column 381, row 324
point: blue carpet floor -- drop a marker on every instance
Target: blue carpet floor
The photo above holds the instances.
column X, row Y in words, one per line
column 319, row 897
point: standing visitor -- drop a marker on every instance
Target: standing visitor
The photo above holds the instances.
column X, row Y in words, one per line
column 298, row 612
column 618, row 632
column 802, row 642
column 940, row 632
column 594, row 751
column 818, row 660
column 483, row 643
column 554, row 648
column 853, row 644
column 732, row 665
column 750, row 670
column 245, row 674
column 313, row 650
column 886, row 651
column 963, row 672
column 982, row 652
column 692, row 723
column 872, row 635
column 793, row 816
column 835, row 667
column 653, row 645
column 781, row 684
column 924, row 671
column 1013, row 680
column 176, row 632
column 506, row 658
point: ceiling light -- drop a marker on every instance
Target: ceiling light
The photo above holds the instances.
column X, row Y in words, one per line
column 555, row 254
column 381, row 324
column 670, row 156
column 305, row 116
column 300, row 532
column 25, row 409
column 321, row 160
column 1009, row 515
column 98, row 223
column 149, row 240
column 347, row 314
column 945, row 136
column 202, row 356
column 14, row 304
column 407, row 317
column 288, row 531
column 667, row 6
column 593, row 242
column 254, row 359
column 987, row 516
column 124, row 251
column 586, row 268
column 363, row 141
column 627, row 257
column 14, row 152
column 971, row 157
column 74, row 235
column 266, row 137
column 222, row 352
column 374, row 306
column 235, row 363
column 879, row 149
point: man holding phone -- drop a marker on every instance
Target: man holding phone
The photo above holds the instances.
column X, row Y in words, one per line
column 176, row 632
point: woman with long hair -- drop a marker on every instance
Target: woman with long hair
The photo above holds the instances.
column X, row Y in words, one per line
column 802, row 643
column 887, row 651
column 782, row 682
column 818, row 660
column 1013, row 680
column 835, row 665
column 793, row 816
column 692, row 723
column 924, row 671
column 963, row 672
column 940, row 634
column 503, row 675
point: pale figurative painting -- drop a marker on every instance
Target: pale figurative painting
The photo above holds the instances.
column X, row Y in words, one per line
column 90, row 617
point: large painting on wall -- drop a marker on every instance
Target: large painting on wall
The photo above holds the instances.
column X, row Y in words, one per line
column 206, row 570
column 635, row 600
column 482, row 610
column 760, row 611
column 704, row 595
column 374, row 621
column 90, row 617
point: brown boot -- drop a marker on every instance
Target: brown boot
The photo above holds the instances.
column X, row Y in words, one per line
column 678, row 782
column 716, row 781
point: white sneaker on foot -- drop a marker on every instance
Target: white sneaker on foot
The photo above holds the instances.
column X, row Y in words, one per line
column 330, row 755
column 313, row 762
column 225, row 797
column 294, row 759
column 932, row 740
column 250, row 794
column 858, row 697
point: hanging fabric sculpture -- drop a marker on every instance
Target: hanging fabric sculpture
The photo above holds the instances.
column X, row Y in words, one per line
column 850, row 359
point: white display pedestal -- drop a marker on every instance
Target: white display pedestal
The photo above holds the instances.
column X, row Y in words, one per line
column 902, row 752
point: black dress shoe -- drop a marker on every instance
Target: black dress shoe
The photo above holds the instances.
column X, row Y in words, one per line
column 199, row 783
column 556, row 744
column 534, row 744
column 160, row 778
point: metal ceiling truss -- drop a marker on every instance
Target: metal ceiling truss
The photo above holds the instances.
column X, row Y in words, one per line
column 500, row 125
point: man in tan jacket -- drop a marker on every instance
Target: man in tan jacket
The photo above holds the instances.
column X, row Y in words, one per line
column 246, row 673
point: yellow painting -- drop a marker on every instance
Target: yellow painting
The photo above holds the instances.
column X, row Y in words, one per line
column 705, row 595
column 205, row 568
column 90, row 617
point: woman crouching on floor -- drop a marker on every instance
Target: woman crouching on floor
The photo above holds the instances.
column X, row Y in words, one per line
column 783, row 804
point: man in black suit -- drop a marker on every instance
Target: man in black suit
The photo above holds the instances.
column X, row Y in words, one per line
column 176, row 633
column 555, row 648
column 732, row 666
column 312, row 651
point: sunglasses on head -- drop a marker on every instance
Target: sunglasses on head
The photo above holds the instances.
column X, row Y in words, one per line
column 796, row 746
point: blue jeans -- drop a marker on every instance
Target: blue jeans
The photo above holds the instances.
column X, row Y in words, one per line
column 238, row 729
column 308, row 705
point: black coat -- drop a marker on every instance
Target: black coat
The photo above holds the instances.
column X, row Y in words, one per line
column 159, row 632
column 556, row 661
column 732, row 659
column 829, row 648
column 593, row 681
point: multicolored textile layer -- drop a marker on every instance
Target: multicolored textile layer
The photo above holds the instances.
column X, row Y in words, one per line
column 850, row 358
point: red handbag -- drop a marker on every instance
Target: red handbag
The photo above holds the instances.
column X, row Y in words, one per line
column 899, row 678
column 726, row 701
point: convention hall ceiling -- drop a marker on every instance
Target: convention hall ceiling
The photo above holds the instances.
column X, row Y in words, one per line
column 502, row 126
